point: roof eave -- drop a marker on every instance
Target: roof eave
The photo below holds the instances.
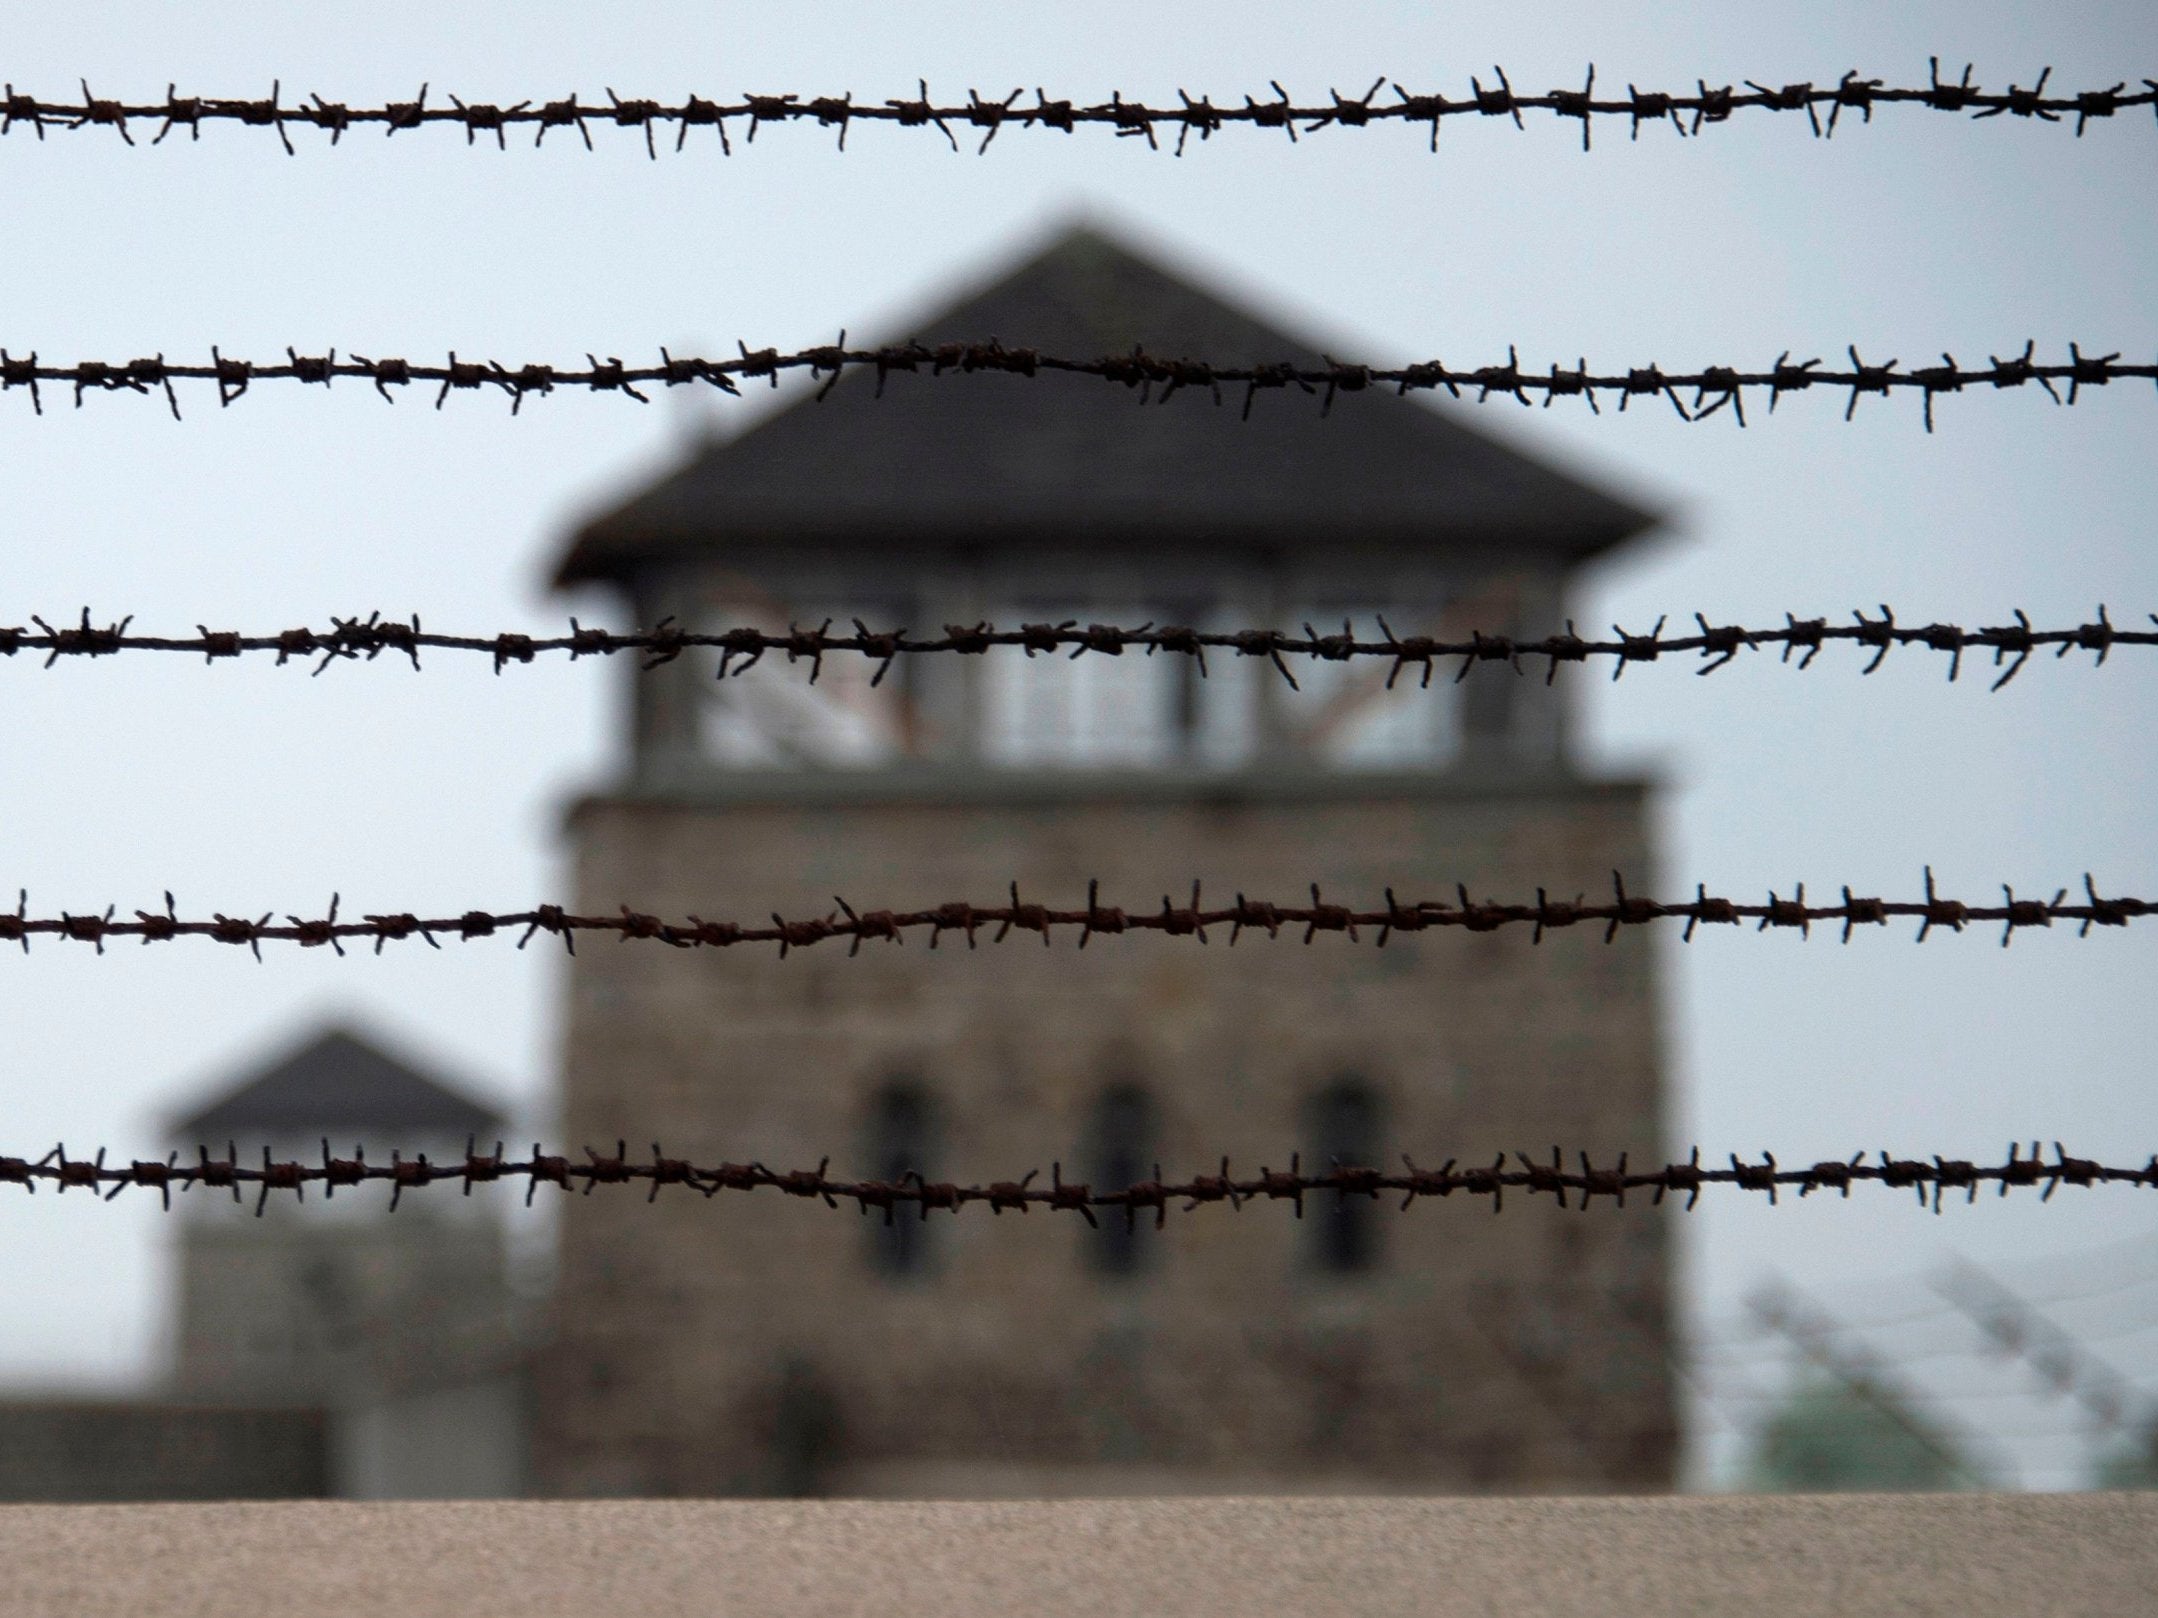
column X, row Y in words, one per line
column 612, row 552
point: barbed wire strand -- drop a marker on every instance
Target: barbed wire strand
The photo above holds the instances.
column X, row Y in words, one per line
column 1931, row 1178
column 1717, row 645
column 1686, row 112
column 1150, row 375
column 1192, row 920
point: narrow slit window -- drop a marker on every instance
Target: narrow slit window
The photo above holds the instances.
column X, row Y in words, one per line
column 902, row 1144
column 1121, row 1147
column 1342, row 1130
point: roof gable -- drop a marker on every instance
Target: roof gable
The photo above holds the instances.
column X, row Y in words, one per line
column 337, row 1080
column 995, row 458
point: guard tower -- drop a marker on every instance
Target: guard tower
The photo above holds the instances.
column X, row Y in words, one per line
column 336, row 1302
column 759, row 1344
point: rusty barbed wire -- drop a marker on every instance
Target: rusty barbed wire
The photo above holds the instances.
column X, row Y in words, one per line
column 1687, row 112
column 1713, row 387
column 1931, row 1178
column 1095, row 920
column 1717, row 645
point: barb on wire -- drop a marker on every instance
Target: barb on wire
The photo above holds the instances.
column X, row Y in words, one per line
column 1716, row 645
column 1686, row 112
column 1192, row 920
column 1713, row 387
column 1931, row 1178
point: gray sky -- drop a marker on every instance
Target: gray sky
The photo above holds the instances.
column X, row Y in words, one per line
column 245, row 789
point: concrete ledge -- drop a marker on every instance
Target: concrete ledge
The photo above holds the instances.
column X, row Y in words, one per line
column 694, row 787
column 1967, row 1555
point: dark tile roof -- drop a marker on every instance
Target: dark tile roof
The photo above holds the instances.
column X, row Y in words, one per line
column 337, row 1080
column 999, row 460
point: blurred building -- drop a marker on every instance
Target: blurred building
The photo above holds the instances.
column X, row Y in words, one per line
column 755, row 1343
column 77, row 1450
column 334, row 1348
column 400, row 1325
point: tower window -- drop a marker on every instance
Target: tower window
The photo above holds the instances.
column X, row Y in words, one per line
column 766, row 714
column 1342, row 1128
column 902, row 1131
column 1120, row 1152
column 1062, row 712
column 1351, row 715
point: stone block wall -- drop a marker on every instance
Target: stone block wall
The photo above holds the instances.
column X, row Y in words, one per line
column 90, row 1449
column 761, row 1344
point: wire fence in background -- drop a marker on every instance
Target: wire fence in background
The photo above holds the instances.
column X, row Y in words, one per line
column 1687, row 112
column 1149, row 375
column 1096, row 919
column 1868, row 1378
column 1930, row 1178
column 2018, row 1331
column 742, row 648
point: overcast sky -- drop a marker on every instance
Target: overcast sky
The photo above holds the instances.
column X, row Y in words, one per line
column 246, row 789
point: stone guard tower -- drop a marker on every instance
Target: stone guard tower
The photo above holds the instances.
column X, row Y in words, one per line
column 754, row 1344
column 402, row 1329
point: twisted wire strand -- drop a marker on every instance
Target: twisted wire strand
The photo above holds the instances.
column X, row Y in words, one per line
column 1929, row 1177
column 1713, row 387
column 740, row 649
column 1686, row 112
column 1193, row 920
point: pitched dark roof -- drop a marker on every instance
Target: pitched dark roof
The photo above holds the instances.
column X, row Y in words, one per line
column 998, row 459
column 337, row 1080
